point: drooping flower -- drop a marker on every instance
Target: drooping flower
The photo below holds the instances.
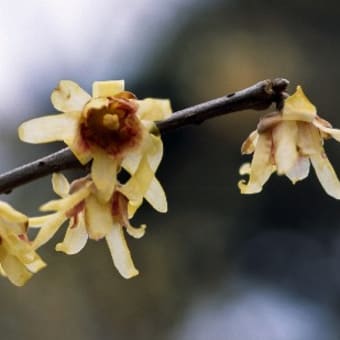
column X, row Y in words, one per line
column 88, row 218
column 287, row 142
column 112, row 127
column 18, row 259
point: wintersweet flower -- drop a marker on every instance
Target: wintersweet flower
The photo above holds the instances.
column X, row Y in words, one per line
column 88, row 218
column 111, row 127
column 18, row 260
column 287, row 142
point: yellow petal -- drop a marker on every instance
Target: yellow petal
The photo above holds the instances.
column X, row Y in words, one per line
column 285, row 137
column 120, row 252
column 75, row 238
column 107, row 88
column 261, row 166
column 104, row 173
column 248, row 146
column 154, row 151
column 98, row 218
column 154, row 109
column 307, row 137
column 298, row 107
column 69, row 96
column 60, row 127
column 135, row 232
column 11, row 215
column 36, row 265
column 335, row 133
column 156, row 197
column 60, row 184
column 49, row 228
column 131, row 161
column 300, row 170
column 15, row 270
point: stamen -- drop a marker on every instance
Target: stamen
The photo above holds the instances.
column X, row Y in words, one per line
column 111, row 121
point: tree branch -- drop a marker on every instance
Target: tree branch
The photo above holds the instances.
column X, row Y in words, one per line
column 258, row 97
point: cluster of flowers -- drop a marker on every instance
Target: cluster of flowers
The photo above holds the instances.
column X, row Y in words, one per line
column 116, row 131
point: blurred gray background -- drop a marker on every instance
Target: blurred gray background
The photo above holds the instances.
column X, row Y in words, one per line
column 219, row 265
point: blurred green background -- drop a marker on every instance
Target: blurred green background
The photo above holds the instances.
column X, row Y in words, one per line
column 219, row 265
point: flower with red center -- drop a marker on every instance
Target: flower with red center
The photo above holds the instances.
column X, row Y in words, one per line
column 287, row 142
column 88, row 218
column 112, row 127
column 18, row 259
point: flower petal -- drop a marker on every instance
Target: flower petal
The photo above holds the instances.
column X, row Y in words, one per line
column 285, row 136
column 15, row 270
column 98, row 218
column 60, row 127
column 120, row 252
column 48, row 229
column 69, row 96
column 261, row 166
column 153, row 109
column 60, row 184
column 335, row 133
column 248, row 146
column 300, row 170
column 104, row 173
column 75, row 238
column 107, row 88
column 154, row 151
column 156, row 196
column 10, row 214
column 298, row 107
column 36, row 265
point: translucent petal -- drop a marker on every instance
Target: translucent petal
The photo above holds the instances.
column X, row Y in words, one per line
column 98, row 218
column 67, row 202
column 107, row 88
column 261, row 166
column 154, row 109
column 75, row 238
column 15, row 270
column 248, row 146
column 60, row 127
column 36, row 265
column 80, row 149
column 69, row 96
column 48, row 229
column 300, row 170
column 326, row 174
column 136, row 232
column 298, row 107
column 104, row 173
column 154, row 151
column 285, row 137
column 131, row 161
column 245, row 169
column 10, row 214
column 155, row 195
column 39, row 221
column 60, row 184
column 335, row 133
column 307, row 137
column 120, row 252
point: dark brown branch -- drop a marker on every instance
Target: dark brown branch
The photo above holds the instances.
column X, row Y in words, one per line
column 258, row 97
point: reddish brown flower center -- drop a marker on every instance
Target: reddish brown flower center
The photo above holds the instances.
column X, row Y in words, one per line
column 112, row 125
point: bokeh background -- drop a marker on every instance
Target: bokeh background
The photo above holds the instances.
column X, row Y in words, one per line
column 219, row 265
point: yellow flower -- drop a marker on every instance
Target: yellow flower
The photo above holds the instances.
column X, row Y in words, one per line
column 112, row 127
column 88, row 218
column 287, row 142
column 18, row 260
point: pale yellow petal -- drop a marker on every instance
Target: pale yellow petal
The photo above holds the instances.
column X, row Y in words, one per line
column 307, row 137
column 69, row 96
column 36, row 265
column 285, row 137
column 154, row 109
column 120, row 252
column 298, row 107
column 156, row 197
column 67, row 202
column 39, row 221
column 60, row 184
column 80, row 148
column 16, row 271
column 300, row 170
column 107, row 88
column 131, row 161
column 60, row 127
column 154, row 151
column 248, row 146
column 335, row 133
column 48, row 229
column 10, row 214
column 261, row 166
column 98, row 218
column 75, row 238
column 245, row 169
column 104, row 173
column 135, row 232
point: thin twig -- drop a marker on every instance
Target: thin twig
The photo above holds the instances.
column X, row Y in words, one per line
column 258, row 97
